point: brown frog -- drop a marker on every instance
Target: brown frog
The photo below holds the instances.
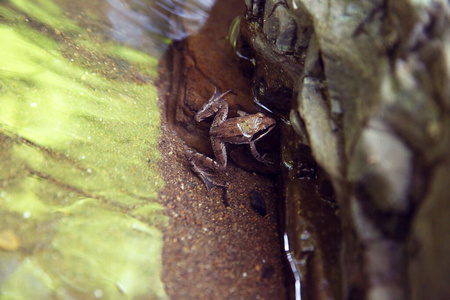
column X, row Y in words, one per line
column 245, row 129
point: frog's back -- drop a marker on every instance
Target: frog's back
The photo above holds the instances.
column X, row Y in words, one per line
column 231, row 131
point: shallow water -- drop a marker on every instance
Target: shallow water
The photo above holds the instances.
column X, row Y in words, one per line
column 79, row 128
column 143, row 23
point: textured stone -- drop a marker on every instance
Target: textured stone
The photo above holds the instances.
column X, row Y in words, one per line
column 372, row 100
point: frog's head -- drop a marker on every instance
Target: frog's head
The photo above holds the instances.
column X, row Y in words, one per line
column 265, row 121
column 263, row 124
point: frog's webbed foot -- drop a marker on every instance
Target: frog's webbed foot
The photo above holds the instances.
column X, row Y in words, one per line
column 257, row 156
column 204, row 167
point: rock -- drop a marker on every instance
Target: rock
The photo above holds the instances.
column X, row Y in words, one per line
column 258, row 203
column 365, row 85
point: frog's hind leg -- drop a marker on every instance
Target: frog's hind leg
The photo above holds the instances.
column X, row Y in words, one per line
column 211, row 106
column 220, row 152
column 218, row 146
column 242, row 113
column 204, row 167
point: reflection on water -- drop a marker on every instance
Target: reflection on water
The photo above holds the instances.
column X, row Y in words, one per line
column 140, row 23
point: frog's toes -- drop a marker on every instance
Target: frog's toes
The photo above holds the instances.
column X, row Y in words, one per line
column 265, row 161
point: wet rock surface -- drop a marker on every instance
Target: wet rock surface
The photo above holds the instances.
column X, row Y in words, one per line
column 368, row 85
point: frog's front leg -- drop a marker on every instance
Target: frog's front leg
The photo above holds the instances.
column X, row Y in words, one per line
column 257, row 156
column 254, row 151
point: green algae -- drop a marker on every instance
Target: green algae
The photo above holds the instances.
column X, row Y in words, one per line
column 139, row 59
column 79, row 164
column 84, row 257
column 47, row 12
